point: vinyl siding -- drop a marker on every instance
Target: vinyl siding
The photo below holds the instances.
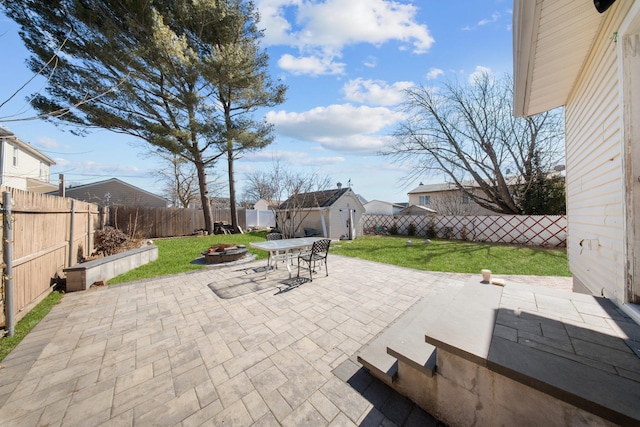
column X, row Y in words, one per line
column 121, row 195
column 594, row 176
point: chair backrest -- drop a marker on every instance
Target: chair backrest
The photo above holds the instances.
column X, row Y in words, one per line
column 320, row 246
column 274, row 236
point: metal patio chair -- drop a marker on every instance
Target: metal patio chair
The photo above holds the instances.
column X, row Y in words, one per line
column 317, row 255
column 276, row 258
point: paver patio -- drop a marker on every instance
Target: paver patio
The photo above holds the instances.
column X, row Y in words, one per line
column 170, row 351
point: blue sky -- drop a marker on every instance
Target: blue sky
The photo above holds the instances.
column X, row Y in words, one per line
column 345, row 63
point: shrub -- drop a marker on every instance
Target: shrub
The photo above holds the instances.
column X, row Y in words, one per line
column 431, row 230
column 411, row 229
column 110, row 240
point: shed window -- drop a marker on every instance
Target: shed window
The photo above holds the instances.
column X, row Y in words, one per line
column 15, row 156
column 425, row 200
column 465, row 199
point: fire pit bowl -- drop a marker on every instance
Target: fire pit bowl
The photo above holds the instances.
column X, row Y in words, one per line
column 221, row 253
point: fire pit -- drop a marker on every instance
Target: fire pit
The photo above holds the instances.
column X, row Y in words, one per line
column 222, row 252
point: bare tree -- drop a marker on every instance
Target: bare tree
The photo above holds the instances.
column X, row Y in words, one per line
column 304, row 191
column 259, row 186
column 469, row 133
column 289, row 193
column 451, row 203
column 179, row 179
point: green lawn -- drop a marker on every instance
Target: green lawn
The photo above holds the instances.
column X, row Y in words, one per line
column 28, row 322
column 456, row 256
column 175, row 255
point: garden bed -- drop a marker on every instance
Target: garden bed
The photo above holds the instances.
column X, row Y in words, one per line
column 81, row 276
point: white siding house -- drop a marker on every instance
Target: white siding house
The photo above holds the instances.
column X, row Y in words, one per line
column 379, row 207
column 568, row 54
column 22, row 166
column 447, row 199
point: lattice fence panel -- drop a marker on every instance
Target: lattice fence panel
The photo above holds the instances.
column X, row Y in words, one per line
column 531, row 230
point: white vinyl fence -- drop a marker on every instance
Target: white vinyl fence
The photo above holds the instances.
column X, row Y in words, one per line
column 256, row 218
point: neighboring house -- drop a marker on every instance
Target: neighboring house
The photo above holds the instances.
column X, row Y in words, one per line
column 331, row 213
column 567, row 54
column 22, row 166
column 417, row 210
column 265, row 205
column 446, row 199
column 113, row 192
column 378, row 207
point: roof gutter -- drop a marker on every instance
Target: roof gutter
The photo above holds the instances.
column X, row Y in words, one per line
column 526, row 15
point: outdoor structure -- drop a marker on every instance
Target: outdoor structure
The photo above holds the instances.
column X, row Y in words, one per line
column 265, row 205
column 417, row 210
column 329, row 213
column 446, row 199
column 22, row 166
column 379, row 207
column 567, row 53
column 114, row 192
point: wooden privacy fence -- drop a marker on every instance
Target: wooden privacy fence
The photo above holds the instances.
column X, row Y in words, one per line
column 49, row 233
column 151, row 223
column 532, row 230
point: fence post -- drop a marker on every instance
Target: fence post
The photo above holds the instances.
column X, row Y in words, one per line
column 71, row 233
column 7, row 254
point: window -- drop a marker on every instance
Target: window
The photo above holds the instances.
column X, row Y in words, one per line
column 465, row 199
column 15, row 156
column 425, row 200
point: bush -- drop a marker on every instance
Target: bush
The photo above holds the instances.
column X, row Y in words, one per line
column 411, row 229
column 431, row 230
column 110, row 240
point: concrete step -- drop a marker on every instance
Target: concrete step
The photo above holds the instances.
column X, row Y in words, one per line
column 464, row 320
column 404, row 340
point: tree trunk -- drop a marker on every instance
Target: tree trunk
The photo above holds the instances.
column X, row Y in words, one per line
column 232, row 191
column 204, row 196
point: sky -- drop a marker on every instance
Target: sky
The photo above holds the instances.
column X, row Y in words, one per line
column 346, row 64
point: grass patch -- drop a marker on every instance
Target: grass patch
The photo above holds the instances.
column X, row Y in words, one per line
column 457, row 256
column 28, row 322
column 176, row 254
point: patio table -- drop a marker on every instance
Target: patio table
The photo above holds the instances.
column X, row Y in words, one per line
column 283, row 249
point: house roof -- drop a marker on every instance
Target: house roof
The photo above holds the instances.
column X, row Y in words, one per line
column 416, row 210
column 396, row 205
column 112, row 180
column 314, row 199
column 445, row 186
column 5, row 133
column 551, row 43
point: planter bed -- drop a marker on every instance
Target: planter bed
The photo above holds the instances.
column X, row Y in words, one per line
column 81, row 276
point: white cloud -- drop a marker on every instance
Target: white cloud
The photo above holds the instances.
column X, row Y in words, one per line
column 328, row 26
column 337, row 127
column 310, row 65
column 494, row 17
column 375, row 92
column 478, row 72
column 371, row 62
column 46, row 142
column 434, row 73
column 297, row 158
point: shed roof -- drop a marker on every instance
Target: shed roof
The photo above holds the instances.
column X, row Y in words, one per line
column 314, row 199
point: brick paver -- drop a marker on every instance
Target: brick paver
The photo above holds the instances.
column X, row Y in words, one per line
column 169, row 351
